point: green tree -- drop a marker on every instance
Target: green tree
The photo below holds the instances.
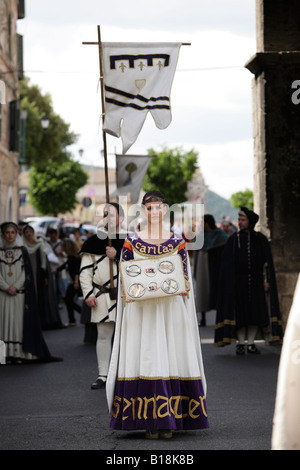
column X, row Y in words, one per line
column 243, row 199
column 52, row 190
column 169, row 171
column 43, row 147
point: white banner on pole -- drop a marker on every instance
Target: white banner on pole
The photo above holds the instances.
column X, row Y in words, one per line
column 137, row 79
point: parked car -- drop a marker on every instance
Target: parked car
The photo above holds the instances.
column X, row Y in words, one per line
column 68, row 228
column 89, row 228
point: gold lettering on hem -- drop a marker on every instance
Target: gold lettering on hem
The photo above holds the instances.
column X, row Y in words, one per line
column 162, row 406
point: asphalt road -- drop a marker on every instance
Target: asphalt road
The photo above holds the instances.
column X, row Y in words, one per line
column 52, row 407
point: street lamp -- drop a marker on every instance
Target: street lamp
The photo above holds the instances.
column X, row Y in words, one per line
column 45, row 121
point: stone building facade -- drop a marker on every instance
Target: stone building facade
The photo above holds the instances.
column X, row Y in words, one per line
column 276, row 120
column 10, row 74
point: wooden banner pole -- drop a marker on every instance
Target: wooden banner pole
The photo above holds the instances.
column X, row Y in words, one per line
column 103, row 114
column 112, row 290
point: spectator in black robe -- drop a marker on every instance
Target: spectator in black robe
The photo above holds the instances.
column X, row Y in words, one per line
column 248, row 306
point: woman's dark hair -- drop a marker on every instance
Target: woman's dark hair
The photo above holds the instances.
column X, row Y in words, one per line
column 69, row 246
column 210, row 220
column 156, row 195
column 118, row 208
column 26, row 227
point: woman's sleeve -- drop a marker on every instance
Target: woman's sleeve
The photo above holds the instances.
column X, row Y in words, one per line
column 3, row 284
column 127, row 251
column 184, row 256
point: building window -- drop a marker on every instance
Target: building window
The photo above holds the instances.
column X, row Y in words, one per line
column 9, row 37
column 14, row 125
column 2, row 101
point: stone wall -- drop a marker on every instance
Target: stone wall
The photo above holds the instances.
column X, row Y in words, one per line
column 9, row 167
column 276, row 122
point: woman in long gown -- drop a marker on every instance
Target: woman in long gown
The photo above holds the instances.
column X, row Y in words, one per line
column 156, row 380
column 20, row 329
column 43, row 279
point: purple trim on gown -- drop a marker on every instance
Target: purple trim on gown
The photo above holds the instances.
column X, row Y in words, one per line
column 159, row 404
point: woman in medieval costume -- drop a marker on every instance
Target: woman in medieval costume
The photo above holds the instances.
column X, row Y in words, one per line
column 37, row 250
column 20, row 329
column 206, row 270
column 156, row 379
column 248, row 307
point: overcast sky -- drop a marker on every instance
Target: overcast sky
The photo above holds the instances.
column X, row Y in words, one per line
column 211, row 93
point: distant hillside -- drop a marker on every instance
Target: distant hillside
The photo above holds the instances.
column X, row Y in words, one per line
column 218, row 206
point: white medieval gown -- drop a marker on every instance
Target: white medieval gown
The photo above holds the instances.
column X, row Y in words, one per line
column 156, row 378
column 20, row 332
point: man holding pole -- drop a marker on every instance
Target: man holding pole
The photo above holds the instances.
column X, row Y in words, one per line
column 98, row 274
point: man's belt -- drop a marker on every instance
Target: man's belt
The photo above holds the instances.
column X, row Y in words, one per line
column 102, row 289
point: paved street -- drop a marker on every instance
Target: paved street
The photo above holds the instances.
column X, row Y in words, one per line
column 52, row 407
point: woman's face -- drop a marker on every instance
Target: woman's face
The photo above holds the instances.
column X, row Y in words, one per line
column 10, row 234
column 155, row 212
column 29, row 234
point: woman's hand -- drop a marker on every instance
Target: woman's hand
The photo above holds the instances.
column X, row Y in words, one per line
column 127, row 301
column 12, row 291
column 266, row 286
column 76, row 282
column 186, row 292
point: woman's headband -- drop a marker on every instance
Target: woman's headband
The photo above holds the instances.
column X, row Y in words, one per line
column 5, row 226
column 153, row 199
